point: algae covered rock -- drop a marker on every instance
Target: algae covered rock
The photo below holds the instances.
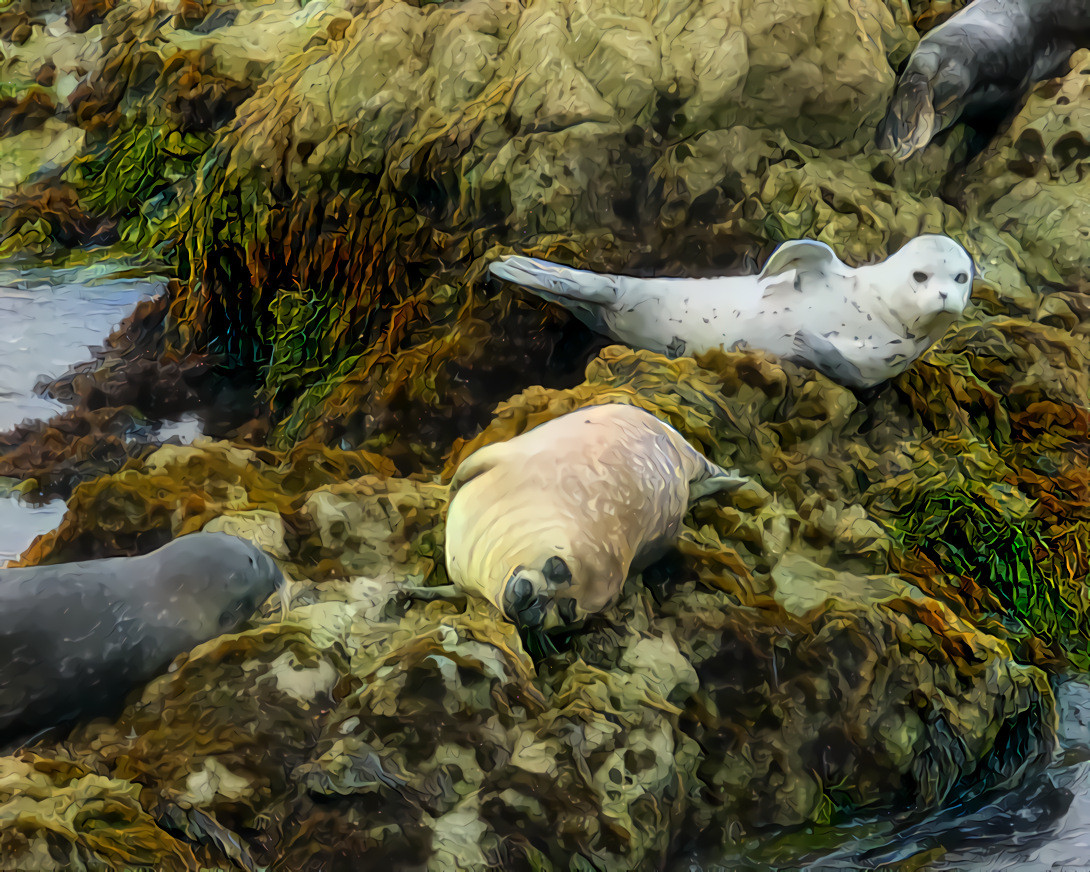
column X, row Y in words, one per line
column 774, row 673
column 1033, row 175
column 870, row 635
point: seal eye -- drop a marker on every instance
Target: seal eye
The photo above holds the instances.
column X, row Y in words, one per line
column 919, row 276
column 961, row 278
column 240, row 609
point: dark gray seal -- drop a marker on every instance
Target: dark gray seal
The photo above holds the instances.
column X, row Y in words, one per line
column 75, row 638
column 984, row 57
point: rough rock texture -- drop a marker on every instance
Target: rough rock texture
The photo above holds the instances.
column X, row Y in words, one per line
column 771, row 676
column 331, row 180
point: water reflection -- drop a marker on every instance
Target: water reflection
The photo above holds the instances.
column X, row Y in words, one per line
column 51, row 318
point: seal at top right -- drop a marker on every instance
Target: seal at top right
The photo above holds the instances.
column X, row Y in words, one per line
column 983, row 58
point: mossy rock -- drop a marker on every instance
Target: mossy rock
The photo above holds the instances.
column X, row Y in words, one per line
column 848, row 644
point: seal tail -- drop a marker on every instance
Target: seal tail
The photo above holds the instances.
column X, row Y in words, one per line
column 553, row 280
column 910, row 120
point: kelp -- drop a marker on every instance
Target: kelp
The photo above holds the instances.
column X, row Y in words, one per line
column 435, row 173
column 167, row 77
column 135, row 178
column 423, row 723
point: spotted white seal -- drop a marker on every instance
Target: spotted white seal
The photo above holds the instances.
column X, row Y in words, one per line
column 548, row 525
column 981, row 59
column 75, row 638
column 858, row 326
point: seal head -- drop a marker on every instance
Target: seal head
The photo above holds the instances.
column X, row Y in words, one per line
column 927, row 284
column 240, row 576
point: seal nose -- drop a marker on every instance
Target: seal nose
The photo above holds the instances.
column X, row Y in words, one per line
column 556, row 571
column 521, row 604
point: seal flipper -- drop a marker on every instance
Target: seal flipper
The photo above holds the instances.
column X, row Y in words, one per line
column 910, row 121
column 557, row 279
column 478, row 463
column 818, row 352
column 720, row 480
column 586, row 295
column 801, row 255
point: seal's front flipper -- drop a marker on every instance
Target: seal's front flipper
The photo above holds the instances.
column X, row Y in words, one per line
column 715, row 483
column 910, row 121
column 478, row 463
column 816, row 351
column 803, row 256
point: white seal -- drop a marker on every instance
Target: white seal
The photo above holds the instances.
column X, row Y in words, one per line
column 858, row 326
column 548, row 525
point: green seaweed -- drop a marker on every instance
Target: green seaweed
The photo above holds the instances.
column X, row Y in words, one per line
column 137, row 176
column 966, row 536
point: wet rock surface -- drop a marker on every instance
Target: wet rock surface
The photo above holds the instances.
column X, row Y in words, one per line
column 873, row 636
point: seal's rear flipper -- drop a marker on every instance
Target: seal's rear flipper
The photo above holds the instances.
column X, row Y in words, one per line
column 556, row 279
column 586, row 295
column 747, row 492
column 910, row 120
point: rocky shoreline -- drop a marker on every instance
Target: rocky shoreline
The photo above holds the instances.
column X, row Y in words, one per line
column 328, row 181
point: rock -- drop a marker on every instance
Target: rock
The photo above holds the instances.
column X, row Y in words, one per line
column 869, row 631
column 263, row 528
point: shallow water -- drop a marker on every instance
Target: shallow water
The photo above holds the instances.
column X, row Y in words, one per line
column 1042, row 824
column 51, row 320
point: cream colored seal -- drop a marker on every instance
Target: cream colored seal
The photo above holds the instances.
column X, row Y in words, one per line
column 548, row 525
column 859, row 326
